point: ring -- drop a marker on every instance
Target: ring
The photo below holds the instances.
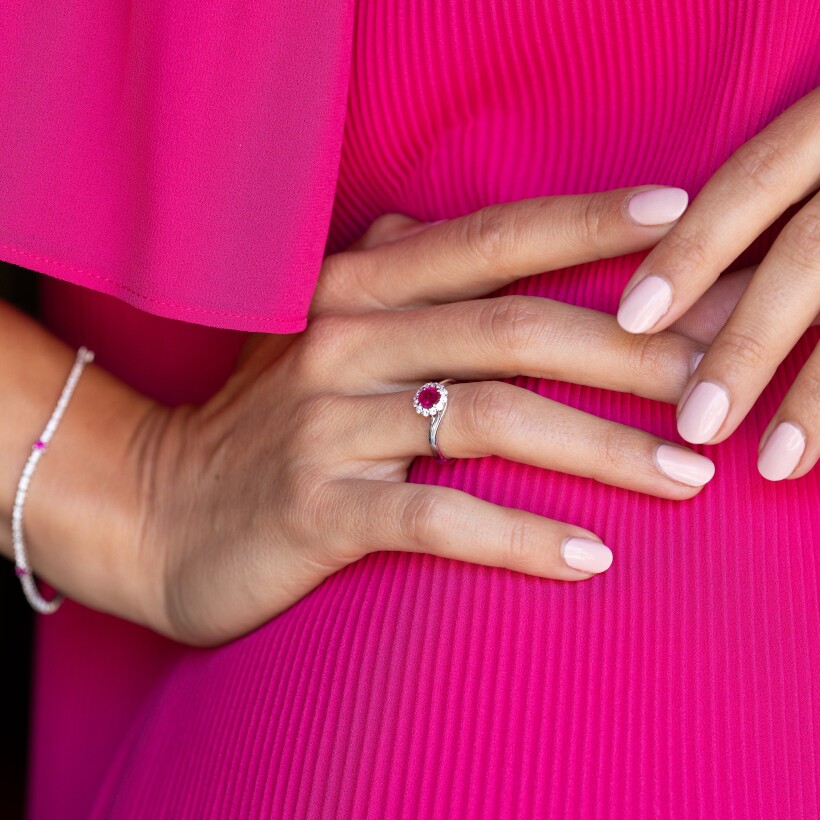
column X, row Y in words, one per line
column 431, row 400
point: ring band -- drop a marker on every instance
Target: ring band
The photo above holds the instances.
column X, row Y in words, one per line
column 431, row 400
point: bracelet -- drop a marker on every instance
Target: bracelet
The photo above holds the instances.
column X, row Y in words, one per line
column 21, row 565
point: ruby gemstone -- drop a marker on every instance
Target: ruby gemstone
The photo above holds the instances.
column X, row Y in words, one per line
column 428, row 397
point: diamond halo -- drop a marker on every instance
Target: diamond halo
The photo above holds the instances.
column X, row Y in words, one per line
column 430, row 398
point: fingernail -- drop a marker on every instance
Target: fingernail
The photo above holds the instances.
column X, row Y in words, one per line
column 703, row 413
column 658, row 206
column 586, row 555
column 685, row 466
column 645, row 304
column 695, row 362
column 782, row 452
column 438, row 221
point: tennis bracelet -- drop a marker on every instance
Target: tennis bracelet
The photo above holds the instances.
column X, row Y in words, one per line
column 22, row 568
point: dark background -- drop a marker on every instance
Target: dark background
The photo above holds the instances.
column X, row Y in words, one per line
column 16, row 622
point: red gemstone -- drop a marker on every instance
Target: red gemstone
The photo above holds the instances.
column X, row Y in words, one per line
column 429, row 396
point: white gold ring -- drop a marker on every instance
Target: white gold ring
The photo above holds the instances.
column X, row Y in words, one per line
column 431, row 400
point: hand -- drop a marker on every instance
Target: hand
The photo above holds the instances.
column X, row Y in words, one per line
column 297, row 466
column 775, row 170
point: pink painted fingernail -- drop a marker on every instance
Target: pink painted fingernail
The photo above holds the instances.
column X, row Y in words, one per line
column 703, row 413
column 645, row 304
column 586, row 554
column 685, row 466
column 437, row 222
column 659, row 206
column 782, row 452
column 695, row 362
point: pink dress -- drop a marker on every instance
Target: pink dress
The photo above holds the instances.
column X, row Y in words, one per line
column 680, row 683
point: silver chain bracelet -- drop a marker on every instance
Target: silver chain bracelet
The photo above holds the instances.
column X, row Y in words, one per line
column 22, row 568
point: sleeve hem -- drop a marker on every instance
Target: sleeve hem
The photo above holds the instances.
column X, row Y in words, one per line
column 172, row 310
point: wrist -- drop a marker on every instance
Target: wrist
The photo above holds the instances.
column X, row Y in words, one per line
column 183, row 453
column 83, row 501
column 157, row 453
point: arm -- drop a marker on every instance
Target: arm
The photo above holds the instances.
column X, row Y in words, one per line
column 83, row 500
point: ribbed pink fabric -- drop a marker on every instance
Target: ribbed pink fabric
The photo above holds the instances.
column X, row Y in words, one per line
column 681, row 683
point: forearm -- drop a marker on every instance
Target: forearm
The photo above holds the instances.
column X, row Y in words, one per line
column 83, row 505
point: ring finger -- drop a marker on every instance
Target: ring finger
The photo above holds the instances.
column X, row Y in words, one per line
column 496, row 418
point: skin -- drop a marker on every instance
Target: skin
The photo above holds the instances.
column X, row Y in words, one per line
column 776, row 170
column 310, row 439
column 333, row 405
column 217, row 517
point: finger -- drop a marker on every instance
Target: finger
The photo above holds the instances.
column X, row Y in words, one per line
column 778, row 305
column 776, row 169
column 790, row 446
column 706, row 318
column 506, row 336
column 496, row 418
column 476, row 254
column 451, row 523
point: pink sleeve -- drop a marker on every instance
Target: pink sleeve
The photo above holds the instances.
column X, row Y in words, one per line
column 181, row 156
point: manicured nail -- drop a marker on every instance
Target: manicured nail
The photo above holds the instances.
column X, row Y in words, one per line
column 586, row 555
column 782, row 452
column 683, row 465
column 437, row 222
column 695, row 362
column 703, row 413
column 659, row 206
column 645, row 304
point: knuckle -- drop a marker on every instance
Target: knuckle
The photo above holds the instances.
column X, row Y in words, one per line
column 801, row 238
column 518, row 544
column 310, row 515
column 316, row 427
column 325, row 345
column 335, row 284
column 613, row 448
column 763, row 164
column 488, row 409
column 509, row 325
column 487, row 237
column 348, row 278
column 420, row 519
column 590, row 221
column 323, row 334
column 692, row 248
column 297, row 497
column 654, row 356
column 335, row 267
column 744, row 348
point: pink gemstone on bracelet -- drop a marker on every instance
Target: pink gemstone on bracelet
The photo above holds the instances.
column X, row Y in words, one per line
column 20, row 572
column 39, row 445
column 428, row 397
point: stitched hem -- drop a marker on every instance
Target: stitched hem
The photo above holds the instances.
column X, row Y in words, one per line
column 194, row 314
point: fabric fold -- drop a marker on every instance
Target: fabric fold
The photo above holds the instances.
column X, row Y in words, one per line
column 182, row 157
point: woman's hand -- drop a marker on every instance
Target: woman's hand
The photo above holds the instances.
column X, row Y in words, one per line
column 297, row 466
column 776, row 169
